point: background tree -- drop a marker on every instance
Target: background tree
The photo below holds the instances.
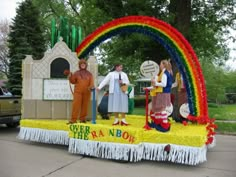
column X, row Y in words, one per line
column 230, row 84
column 180, row 12
column 198, row 21
column 210, row 25
column 4, row 60
column 216, row 81
column 26, row 37
column 206, row 24
column 136, row 47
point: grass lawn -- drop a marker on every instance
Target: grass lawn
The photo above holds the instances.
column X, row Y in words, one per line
column 139, row 111
column 226, row 127
column 223, row 112
column 219, row 112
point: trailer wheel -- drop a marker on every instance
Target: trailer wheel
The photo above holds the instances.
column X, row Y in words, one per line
column 13, row 125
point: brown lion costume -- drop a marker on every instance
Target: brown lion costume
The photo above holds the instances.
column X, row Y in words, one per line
column 84, row 82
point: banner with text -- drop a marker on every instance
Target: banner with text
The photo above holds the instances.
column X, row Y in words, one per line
column 57, row 89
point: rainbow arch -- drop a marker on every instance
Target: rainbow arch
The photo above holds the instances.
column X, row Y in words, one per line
column 173, row 41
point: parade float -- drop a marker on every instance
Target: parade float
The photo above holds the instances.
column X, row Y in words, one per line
column 44, row 120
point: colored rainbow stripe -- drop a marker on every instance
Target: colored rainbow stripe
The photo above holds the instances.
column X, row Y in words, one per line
column 178, row 47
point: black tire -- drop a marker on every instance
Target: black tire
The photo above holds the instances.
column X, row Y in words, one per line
column 13, row 125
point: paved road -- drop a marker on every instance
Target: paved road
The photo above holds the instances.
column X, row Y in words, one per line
column 27, row 159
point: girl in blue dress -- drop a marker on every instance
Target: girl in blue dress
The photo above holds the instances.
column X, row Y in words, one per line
column 118, row 97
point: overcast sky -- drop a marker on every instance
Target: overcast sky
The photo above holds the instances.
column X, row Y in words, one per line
column 8, row 11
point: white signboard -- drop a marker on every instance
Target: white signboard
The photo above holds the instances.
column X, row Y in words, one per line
column 184, row 110
column 149, row 68
column 57, row 89
column 169, row 110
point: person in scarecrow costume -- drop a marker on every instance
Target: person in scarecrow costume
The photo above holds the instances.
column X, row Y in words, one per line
column 160, row 92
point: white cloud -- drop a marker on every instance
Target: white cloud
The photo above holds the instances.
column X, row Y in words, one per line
column 8, row 9
column 231, row 64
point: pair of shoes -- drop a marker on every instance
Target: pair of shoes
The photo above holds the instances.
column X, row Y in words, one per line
column 117, row 123
column 70, row 122
column 124, row 123
column 161, row 129
column 152, row 124
column 83, row 121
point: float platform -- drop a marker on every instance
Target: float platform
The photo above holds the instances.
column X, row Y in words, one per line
column 185, row 144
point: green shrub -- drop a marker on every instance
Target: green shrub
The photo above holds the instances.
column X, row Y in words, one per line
column 140, row 101
column 234, row 98
column 131, row 106
column 226, row 127
column 213, row 105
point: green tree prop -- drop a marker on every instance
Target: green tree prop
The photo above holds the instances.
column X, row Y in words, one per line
column 71, row 35
column 26, row 37
column 130, row 102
